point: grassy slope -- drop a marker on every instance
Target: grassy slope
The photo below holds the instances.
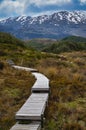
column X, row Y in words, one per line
column 67, row 104
column 13, row 93
column 13, row 48
column 14, row 83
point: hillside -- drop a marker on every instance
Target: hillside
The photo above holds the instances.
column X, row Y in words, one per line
column 67, row 44
column 39, row 44
column 13, row 83
column 9, row 45
column 66, row 71
column 67, row 102
column 74, row 39
column 15, row 49
column 13, row 93
column 7, row 38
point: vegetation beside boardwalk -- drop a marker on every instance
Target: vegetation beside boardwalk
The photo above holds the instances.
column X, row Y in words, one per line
column 67, row 74
column 67, row 103
column 15, row 88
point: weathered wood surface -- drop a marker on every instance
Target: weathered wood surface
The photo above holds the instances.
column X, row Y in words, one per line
column 24, row 68
column 32, row 126
column 41, row 84
column 34, row 107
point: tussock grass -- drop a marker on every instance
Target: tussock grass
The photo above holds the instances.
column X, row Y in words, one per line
column 15, row 88
column 67, row 104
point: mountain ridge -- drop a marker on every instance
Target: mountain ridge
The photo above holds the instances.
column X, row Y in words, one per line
column 55, row 26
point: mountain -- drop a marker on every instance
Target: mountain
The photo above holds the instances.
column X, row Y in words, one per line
column 67, row 44
column 55, row 26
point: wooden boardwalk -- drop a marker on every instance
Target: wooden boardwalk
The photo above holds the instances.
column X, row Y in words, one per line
column 34, row 107
column 41, row 84
column 24, row 68
column 32, row 126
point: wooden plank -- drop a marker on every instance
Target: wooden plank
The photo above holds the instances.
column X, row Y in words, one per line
column 24, row 68
column 31, row 126
column 33, row 108
column 41, row 84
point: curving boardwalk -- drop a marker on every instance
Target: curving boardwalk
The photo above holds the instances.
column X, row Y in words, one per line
column 41, row 84
column 34, row 107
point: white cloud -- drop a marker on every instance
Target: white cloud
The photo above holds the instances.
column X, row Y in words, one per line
column 19, row 7
column 47, row 2
column 44, row 13
column 11, row 7
column 83, row 1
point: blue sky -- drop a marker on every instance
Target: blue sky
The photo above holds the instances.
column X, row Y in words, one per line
column 12, row 8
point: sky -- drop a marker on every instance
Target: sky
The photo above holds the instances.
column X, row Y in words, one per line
column 14, row 8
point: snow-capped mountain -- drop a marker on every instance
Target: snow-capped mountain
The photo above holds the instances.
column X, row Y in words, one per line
column 57, row 25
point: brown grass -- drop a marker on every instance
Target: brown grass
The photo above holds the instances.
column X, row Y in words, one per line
column 15, row 88
column 67, row 104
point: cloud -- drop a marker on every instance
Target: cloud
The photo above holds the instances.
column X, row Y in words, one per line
column 39, row 6
column 48, row 2
column 11, row 7
column 18, row 7
column 34, row 7
column 83, row 1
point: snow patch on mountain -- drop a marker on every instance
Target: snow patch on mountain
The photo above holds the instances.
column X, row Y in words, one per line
column 75, row 17
column 21, row 18
column 56, row 25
